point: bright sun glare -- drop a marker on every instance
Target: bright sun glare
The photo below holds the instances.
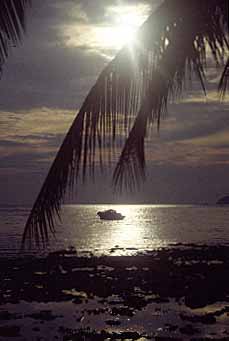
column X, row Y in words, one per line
column 117, row 30
column 125, row 22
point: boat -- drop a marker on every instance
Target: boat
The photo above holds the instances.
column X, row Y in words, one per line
column 110, row 215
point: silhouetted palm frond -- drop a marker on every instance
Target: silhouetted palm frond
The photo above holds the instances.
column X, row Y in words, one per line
column 223, row 84
column 187, row 42
column 12, row 24
column 130, row 95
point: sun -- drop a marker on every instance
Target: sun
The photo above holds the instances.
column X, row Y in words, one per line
column 116, row 37
column 125, row 21
column 117, row 29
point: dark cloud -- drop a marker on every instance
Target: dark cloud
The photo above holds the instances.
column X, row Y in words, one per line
column 45, row 71
column 192, row 120
column 55, row 77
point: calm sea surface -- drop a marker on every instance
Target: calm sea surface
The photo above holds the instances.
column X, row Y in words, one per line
column 145, row 227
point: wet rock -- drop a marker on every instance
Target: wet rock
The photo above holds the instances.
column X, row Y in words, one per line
column 89, row 335
column 189, row 330
column 78, row 300
column 113, row 322
column 205, row 319
column 44, row 315
column 6, row 316
column 130, row 335
column 159, row 300
column 194, row 280
column 97, row 311
column 167, row 338
column 136, row 301
column 196, row 300
column 210, row 338
column 123, row 311
column 10, row 331
column 171, row 327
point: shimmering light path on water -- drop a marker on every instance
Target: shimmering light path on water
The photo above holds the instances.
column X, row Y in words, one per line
column 145, row 227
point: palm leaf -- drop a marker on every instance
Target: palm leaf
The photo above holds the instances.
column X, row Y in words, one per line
column 128, row 97
column 168, row 78
column 12, row 25
column 223, row 84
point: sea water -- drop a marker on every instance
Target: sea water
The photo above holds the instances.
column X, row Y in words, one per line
column 145, row 227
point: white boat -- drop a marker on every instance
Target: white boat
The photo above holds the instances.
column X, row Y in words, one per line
column 110, row 215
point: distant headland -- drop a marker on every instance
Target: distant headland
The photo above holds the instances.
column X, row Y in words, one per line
column 223, row 201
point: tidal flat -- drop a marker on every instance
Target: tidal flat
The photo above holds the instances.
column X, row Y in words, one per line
column 178, row 293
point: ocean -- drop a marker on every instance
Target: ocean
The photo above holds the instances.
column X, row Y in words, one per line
column 145, row 227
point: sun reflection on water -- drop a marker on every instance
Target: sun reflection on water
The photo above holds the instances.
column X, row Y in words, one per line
column 145, row 227
column 125, row 234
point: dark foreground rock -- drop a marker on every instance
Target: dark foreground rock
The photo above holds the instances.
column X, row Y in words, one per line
column 190, row 273
column 115, row 292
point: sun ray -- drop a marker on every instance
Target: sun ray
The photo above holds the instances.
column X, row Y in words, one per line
column 119, row 29
column 125, row 22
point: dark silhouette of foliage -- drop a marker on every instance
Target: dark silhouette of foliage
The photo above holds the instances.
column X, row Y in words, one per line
column 130, row 95
column 12, row 25
column 223, row 84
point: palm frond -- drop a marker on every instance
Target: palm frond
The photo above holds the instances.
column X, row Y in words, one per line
column 129, row 96
column 223, row 84
column 12, row 25
column 130, row 168
column 187, row 43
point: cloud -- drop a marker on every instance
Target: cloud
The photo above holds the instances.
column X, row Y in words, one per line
column 42, row 121
column 46, row 70
column 191, row 135
column 31, row 138
column 56, row 77
column 106, row 26
column 96, row 11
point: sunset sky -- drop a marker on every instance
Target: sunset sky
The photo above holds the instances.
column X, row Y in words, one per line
column 45, row 80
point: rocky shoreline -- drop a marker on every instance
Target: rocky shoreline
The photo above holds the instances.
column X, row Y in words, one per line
column 175, row 293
